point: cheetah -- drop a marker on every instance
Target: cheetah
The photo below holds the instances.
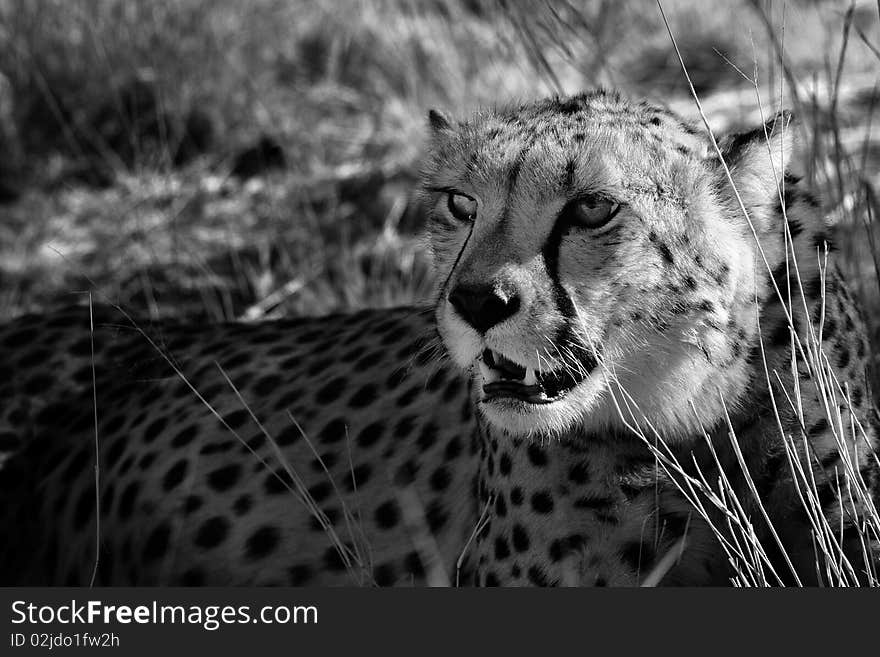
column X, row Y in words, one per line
column 624, row 309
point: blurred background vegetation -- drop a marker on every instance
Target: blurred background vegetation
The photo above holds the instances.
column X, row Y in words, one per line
column 228, row 159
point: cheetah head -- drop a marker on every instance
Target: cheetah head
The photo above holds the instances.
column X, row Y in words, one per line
column 595, row 266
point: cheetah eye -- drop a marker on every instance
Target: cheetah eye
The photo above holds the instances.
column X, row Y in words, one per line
column 589, row 212
column 462, row 206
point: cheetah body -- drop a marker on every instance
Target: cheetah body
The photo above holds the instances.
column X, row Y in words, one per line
column 202, row 492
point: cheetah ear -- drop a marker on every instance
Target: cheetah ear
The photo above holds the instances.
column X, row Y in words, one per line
column 757, row 159
column 439, row 122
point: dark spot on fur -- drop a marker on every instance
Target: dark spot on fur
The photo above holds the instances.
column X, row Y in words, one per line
column 175, row 475
column 333, row 560
column 662, row 248
column 598, row 503
column 436, row 516
column 127, row 500
column 212, row 532
column 505, row 465
column 536, row 576
column 236, row 419
column 453, row 449
column 453, row 388
column 225, row 477
column 84, row 507
column 406, row 473
column 154, row 429
column 262, row 542
column 334, row 431
column 192, row 504
column 157, row 543
column 412, row 565
column 288, row 435
column 370, row 434
column 819, row 427
column 192, row 577
column 404, row 427
column 638, row 556
column 365, row 396
column 436, row 380
column 387, row 515
column 502, row 549
column 428, row 436
column 520, row 538
column 278, row 482
column 219, row 447
column 409, row 396
column 537, row 455
column 516, row 496
column 542, row 502
column 242, row 505
column 384, row 574
column 440, row 479
column 331, row 516
column 299, row 574
column 320, row 491
column 396, row 378
column 579, row 473
column 331, row 391
column 358, row 476
column 368, row 361
column 185, row 436
column 267, row 385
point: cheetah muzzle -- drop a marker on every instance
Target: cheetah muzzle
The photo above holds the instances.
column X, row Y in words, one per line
column 507, row 381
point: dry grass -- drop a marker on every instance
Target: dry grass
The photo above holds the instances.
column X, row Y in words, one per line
column 101, row 93
column 720, row 503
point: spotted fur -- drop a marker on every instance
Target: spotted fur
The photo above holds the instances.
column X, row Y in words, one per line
column 706, row 257
column 352, row 450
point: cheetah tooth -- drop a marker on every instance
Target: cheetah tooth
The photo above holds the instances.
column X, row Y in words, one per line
column 530, row 379
column 489, row 375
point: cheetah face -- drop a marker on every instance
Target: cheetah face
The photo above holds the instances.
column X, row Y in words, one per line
column 585, row 266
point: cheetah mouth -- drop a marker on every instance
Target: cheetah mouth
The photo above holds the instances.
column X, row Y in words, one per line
column 504, row 379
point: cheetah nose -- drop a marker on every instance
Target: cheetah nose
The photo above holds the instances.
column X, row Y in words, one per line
column 483, row 306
